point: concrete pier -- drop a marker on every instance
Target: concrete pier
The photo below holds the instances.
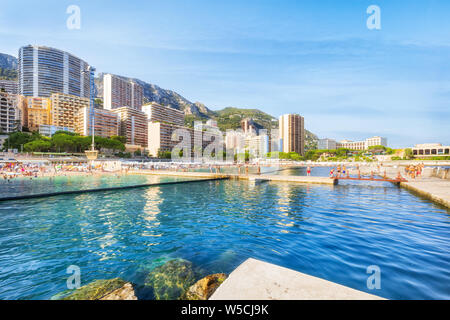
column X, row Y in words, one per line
column 434, row 189
column 252, row 177
column 297, row 179
column 427, row 186
column 258, row 280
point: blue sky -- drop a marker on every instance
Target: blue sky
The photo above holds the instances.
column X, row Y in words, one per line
column 315, row 58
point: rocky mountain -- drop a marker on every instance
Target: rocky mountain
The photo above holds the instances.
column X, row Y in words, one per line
column 8, row 67
column 7, row 61
column 163, row 96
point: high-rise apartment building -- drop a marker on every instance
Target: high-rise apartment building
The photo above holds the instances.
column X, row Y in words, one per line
column 158, row 113
column 118, row 92
column 64, row 108
column 133, row 125
column 258, row 146
column 106, row 123
column 10, row 118
column 38, row 112
column 292, row 133
column 161, row 137
column 249, row 126
column 10, row 86
column 235, row 141
column 43, row 71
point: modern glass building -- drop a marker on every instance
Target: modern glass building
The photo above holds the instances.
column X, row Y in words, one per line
column 43, row 71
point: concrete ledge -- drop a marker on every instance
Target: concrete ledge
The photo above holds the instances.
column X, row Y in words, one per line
column 298, row 179
column 181, row 174
column 53, row 194
column 258, row 280
column 437, row 191
column 251, row 177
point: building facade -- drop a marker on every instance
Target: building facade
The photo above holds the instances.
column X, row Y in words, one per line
column 10, row 115
column 106, row 123
column 9, row 86
column 363, row 144
column 376, row 141
column 43, row 71
column 430, row 150
column 292, row 133
column 164, row 136
column 258, row 146
column 118, row 92
column 133, row 125
column 235, row 141
column 49, row 130
column 249, row 126
column 326, row 144
column 38, row 112
column 159, row 113
column 64, row 108
column 161, row 137
column 352, row 145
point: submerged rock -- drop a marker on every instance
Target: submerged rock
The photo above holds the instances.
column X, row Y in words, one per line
column 124, row 293
column 112, row 289
column 205, row 287
column 171, row 280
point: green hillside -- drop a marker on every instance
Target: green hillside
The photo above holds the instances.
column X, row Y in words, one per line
column 230, row 118
column 8, row 74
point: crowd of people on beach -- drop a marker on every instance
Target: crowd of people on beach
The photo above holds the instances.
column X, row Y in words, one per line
column 13, row 170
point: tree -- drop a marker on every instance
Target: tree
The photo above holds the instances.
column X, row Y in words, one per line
column 37, row 145
column 164, row 154
column 63, row 142
column 119, row 138
column 408, row 153
column 17, row 139
column 66, row 132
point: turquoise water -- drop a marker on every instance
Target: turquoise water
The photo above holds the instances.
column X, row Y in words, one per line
column 330, row 232
column 25, row 186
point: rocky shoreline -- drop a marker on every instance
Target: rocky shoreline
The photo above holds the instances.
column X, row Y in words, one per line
column 174, row 280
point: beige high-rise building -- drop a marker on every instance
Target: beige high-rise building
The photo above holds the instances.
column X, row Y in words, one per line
column 106, row 123
column 10, row 119
column 158, row 113
column 160, row 137
column 292, row 133
column 118, row 93
column 133, row 125
column 38, row 112
column 64, row 108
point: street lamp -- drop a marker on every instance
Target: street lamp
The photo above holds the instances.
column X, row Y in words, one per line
column 91, row 154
